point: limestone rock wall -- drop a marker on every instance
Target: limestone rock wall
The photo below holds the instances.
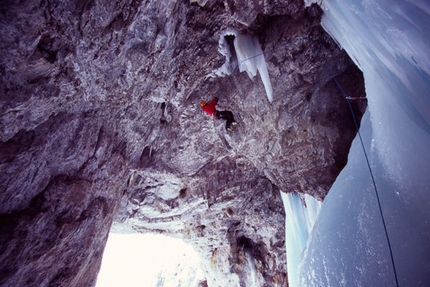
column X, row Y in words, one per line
column 100, row 122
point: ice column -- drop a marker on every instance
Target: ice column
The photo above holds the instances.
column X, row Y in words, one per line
column 251, row 263
column 299, row 221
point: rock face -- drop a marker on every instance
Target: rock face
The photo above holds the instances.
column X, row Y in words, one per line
column 100, row 122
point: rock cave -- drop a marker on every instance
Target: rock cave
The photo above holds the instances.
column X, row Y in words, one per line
column 101, row 129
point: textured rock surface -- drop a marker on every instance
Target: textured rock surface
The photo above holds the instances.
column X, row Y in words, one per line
column 99, row 113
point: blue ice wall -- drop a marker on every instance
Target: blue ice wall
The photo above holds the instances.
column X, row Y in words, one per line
column 389, row 41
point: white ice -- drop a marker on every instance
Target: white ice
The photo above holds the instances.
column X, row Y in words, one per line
column 251, row 264
column 250, row 58
column 299, row 221
column 389, row 42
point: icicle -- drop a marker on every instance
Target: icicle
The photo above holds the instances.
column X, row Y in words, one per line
column 251, row 59
column 251, row 264
column 299, row 221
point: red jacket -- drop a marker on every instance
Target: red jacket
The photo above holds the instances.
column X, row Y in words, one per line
column 210, row 108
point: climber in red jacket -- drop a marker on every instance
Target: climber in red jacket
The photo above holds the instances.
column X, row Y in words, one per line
column 211, row 110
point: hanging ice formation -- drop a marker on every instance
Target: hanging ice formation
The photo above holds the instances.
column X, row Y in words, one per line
column 250, row 58
column 299, row 221
column 251, row 264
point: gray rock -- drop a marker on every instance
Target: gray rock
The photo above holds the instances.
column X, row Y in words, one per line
column 100, row 122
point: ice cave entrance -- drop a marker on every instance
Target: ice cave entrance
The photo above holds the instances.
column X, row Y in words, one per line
column 148, row 260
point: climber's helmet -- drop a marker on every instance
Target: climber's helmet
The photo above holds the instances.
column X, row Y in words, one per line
column 202, row 103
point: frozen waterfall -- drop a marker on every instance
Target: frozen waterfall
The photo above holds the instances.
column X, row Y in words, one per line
column 299, row 221
column 389, row 42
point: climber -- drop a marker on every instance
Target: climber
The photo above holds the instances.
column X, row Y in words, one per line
column 211, row 110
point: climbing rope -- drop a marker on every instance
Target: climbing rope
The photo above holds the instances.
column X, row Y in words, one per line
column 348, row 100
